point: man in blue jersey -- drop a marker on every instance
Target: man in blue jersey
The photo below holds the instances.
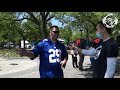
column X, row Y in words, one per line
column 52, row 54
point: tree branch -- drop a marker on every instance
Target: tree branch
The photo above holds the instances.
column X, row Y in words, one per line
column 16, row 19
column 50, row 18
column 46, row 15
column 34, row 18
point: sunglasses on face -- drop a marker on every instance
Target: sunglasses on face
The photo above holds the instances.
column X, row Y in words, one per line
column 56, row 32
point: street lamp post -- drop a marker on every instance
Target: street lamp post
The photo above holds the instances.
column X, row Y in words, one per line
column 24, row 38
column 81, row 32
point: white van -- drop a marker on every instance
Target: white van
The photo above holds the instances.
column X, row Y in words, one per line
column 27, row 44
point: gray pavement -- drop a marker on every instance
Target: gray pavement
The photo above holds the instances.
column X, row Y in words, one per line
column 70, row 72
column 17, row 67
column 26, row 68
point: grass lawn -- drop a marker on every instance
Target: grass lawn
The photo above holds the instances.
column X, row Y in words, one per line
column 8, row 53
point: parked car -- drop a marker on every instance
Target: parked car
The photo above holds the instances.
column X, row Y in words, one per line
column 9, row 45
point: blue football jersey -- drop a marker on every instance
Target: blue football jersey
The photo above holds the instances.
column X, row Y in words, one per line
column 50, row 55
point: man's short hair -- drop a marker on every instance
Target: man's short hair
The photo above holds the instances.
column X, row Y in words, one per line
column 54, row 26
column 107, row 29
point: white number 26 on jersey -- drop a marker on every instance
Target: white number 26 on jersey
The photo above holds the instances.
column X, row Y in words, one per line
column 54, row 56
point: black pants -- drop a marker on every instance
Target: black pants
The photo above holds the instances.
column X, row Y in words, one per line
column 99, row 69
column 81, row 60
column 74, row 61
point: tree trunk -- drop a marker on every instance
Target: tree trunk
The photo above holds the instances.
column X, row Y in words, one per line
column 44, row 23
column 44, row 29
column 42, row 32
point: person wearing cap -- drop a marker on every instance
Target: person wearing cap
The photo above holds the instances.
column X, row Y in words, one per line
column 106, row 53
column 52, row 54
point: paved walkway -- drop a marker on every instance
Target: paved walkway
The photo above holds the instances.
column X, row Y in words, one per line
column 70, row 72
column 26, row 68
column 13, row 66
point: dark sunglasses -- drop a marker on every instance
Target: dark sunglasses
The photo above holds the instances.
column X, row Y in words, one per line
column 56, row 32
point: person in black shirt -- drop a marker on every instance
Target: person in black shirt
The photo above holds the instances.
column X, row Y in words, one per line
column 106, row 53
column 81, row 56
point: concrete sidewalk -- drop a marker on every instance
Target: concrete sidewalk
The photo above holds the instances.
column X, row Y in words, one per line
column 14, row 65
column 26, row 66
column 70, row 72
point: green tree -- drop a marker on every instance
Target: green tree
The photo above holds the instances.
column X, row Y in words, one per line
column 66, row 33
column 8, row 27
column 85, row 21
column 40, row 19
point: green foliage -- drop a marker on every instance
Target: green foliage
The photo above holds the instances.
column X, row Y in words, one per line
column 65, row 33
column 72, row 24
column 8, row 27
column 31, row 31
column 85, row 21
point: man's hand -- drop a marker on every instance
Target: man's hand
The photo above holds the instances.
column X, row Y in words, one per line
column 24, row 52
column 21, row 52
column 63, row 63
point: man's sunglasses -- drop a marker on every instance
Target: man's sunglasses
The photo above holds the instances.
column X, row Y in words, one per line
column 56, row 32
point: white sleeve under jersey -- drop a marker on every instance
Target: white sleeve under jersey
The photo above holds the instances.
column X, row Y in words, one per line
column 90, row 52
column 111, row 67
